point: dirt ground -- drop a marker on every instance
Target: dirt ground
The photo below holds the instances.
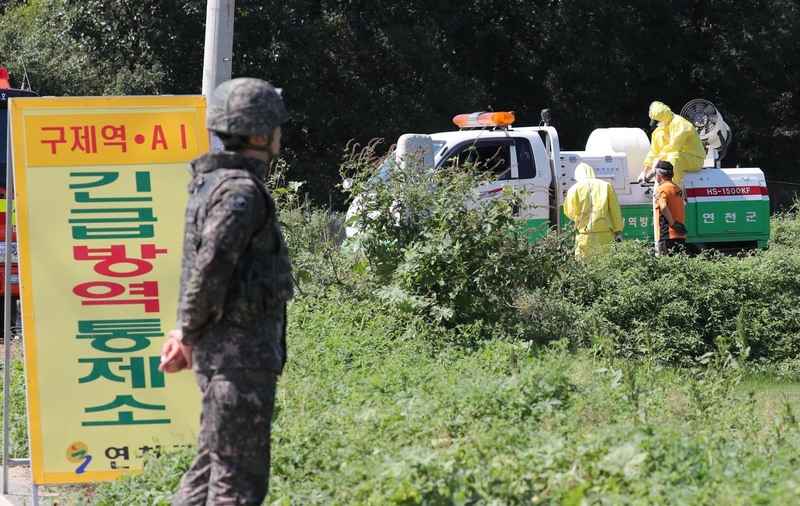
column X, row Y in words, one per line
column 20, row 491
column 19, row 487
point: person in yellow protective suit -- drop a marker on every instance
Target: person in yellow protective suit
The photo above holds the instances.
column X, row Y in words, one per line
column 593, row 207
column 676, row 141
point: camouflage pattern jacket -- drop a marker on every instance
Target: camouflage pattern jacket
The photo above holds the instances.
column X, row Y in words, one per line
column 235, row 272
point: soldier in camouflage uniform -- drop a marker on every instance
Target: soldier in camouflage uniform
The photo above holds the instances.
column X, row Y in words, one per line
column 235, row 281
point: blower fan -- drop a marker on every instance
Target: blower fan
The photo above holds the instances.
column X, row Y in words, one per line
column 714, row 132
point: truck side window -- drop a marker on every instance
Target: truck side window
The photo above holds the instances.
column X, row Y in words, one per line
column 525, row 159
column 495, row 158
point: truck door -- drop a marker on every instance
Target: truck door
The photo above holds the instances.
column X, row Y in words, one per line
column 534, row 180
column 495, row 155
column 513, row 161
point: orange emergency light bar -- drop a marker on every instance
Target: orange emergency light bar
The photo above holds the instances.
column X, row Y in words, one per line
column 484, row 119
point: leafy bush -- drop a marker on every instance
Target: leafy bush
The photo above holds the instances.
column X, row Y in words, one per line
column 371, row 411
column 396, row 418
column 314, row 236
column 434, row 245
column 677, row 308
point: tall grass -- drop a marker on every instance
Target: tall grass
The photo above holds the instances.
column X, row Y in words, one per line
column 372, row 410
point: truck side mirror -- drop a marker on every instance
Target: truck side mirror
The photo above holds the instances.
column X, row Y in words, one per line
column 546, row 117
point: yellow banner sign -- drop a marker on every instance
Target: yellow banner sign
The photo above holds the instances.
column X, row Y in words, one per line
column 100, row 200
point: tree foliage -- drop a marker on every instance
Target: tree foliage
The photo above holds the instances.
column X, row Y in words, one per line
column 353, row 69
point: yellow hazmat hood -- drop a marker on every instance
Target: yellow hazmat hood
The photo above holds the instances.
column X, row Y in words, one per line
column 584, row 171
column 659, row 111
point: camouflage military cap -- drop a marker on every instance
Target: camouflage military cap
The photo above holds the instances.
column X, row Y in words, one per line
column 245, row 106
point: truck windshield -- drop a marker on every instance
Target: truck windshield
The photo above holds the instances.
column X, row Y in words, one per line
column 389, row 163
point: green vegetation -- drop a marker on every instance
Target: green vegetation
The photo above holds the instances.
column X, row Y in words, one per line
column 628, row 379
column 18, row 418
column 430, row 247
column 374, row 411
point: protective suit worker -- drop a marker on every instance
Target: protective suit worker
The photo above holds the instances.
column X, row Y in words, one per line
column 676, row 141
column 593, row 207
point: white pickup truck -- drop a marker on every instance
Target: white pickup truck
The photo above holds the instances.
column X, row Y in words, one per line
column 726, row 209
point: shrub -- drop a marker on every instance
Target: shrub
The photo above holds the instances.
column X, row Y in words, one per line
column 679, row 308
column 313, row 236
column 435, row 246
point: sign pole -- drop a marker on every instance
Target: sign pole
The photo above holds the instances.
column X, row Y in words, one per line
column 7, row 334
column 7, row 314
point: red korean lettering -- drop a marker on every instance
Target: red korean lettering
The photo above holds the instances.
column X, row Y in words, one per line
column 114, row 136
column 84, row 138
column 115, row 262
column 107, row 293
column 60, row 138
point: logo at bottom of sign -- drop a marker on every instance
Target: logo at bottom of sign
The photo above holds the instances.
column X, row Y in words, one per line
column 78, row 453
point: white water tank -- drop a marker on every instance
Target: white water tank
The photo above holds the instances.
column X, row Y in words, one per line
column 632, row 142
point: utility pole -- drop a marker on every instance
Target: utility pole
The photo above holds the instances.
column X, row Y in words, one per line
column 218, row 49
column 219, row 44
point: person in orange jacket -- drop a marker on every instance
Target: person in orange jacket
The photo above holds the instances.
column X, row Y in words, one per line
column 670, row 210
column 593, row 207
